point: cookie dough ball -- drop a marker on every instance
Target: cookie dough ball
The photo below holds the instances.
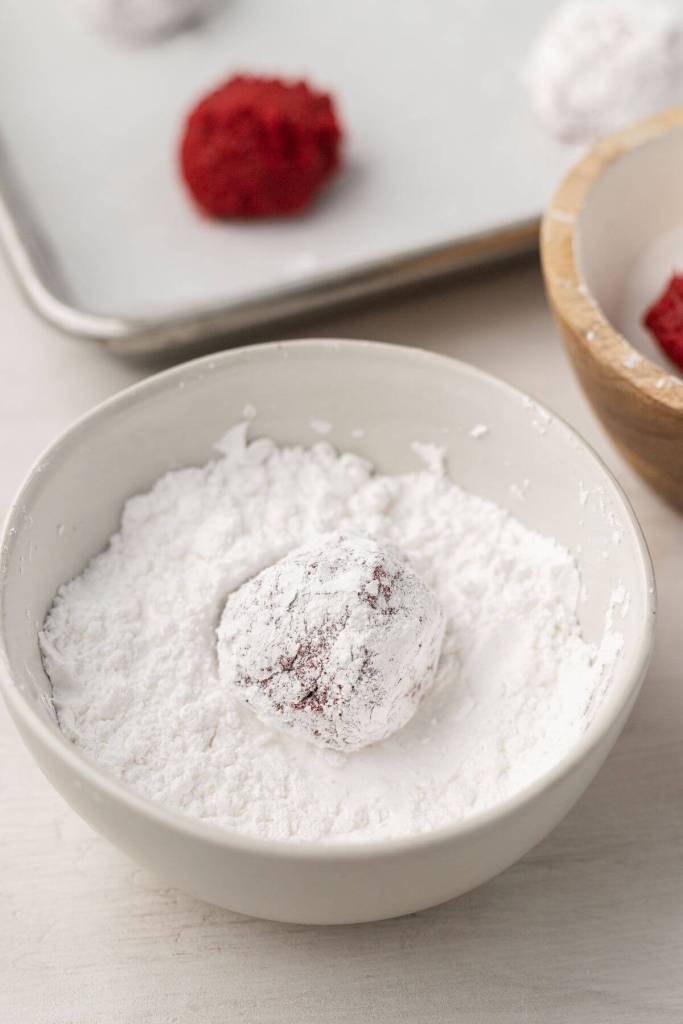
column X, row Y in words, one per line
column 336, row 642
column 259, row 147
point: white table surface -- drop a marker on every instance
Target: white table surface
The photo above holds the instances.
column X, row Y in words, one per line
column 588, row 927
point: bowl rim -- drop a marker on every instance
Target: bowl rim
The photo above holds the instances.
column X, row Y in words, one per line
column 567, row 289
column 25, row 713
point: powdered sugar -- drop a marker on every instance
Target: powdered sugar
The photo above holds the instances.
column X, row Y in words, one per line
column 599, row 65
column 130, row 648
column 338, row 641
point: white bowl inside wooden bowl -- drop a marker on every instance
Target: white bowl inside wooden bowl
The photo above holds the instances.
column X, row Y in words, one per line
column 611, row 239
column 71, row 503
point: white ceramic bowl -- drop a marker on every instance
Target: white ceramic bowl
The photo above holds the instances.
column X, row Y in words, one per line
column 71, row 503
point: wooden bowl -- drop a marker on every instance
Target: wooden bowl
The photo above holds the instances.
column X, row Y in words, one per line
column 610, row 239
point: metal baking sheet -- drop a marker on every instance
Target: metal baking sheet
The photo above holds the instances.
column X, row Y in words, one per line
column 444, row 168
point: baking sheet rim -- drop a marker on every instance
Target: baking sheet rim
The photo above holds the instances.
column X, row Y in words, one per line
column 148, row 335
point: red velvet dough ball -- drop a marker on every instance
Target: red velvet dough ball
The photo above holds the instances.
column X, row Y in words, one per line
column 259, row 147
column 664, row 319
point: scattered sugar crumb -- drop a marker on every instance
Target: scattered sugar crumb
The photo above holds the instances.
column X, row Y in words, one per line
column 248, row 412
column 541, row 419
column 562, row 215
column 608, row 514
column 233, row 441
column 357, row 433
column 479, row 430
column 520, row 491
column 621, row 599
column 583, row 494
column 631, row 360
column 433, row 456
column 320, row 426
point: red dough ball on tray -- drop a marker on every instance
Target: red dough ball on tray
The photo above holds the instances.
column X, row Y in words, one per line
column 259, row 147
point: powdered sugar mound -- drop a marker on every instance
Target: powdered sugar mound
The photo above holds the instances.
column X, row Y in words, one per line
column 130, row 648
column 599, row 65
column 337, row 641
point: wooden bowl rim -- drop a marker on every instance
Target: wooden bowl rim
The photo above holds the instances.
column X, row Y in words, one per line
column 569, row 293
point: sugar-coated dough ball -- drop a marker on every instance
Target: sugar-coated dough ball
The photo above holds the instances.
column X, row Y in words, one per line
column 142, row 20
column 598, row 66
column 337, row 642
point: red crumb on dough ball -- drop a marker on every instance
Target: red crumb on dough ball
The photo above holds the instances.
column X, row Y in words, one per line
column 259, row 147
column 664, row 319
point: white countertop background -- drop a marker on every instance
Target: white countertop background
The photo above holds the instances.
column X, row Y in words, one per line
column 588, row 927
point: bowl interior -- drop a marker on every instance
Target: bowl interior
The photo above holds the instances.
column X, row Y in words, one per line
column 630, row 235
column 526, row 461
